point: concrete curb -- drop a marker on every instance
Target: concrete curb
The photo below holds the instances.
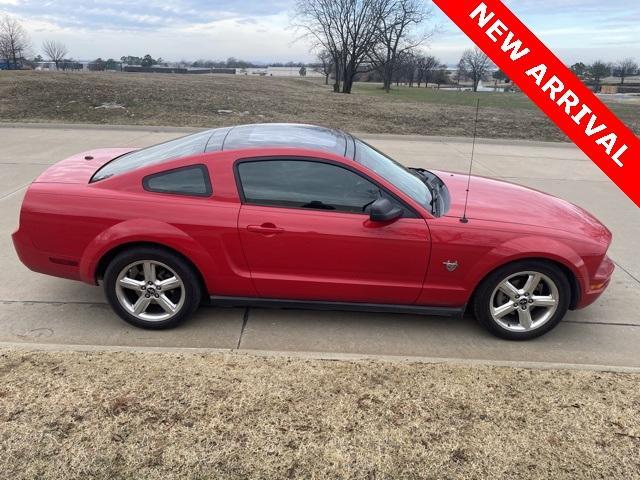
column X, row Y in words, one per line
column 343, row 357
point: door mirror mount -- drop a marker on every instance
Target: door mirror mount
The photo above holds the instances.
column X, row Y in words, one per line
column 382, row 210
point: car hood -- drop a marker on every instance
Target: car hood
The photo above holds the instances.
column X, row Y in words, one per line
column 80, row 168
column 499, row 201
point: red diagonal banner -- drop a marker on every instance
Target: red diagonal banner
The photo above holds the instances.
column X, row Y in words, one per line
column 553, row 87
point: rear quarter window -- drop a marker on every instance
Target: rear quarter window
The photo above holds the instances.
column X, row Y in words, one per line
column 192, row 180
column 180, row 147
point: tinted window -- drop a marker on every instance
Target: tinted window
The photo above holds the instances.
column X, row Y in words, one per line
column 183, row 181
column 286, row 135
column 181, row 147
column 305, row 184
column 394, row 172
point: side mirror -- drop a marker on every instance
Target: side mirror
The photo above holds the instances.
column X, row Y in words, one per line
column 382, row 210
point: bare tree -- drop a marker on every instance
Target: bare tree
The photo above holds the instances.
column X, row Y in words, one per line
column 396, row 34
column 326, row 65
column 440, row 76
column 347, row 29
column 319, row 21
column 407, row 67
column 476, row 64
column 461, row 73
column 56, row 51
column 14, row 41
column 626, row 68
column 426, row 67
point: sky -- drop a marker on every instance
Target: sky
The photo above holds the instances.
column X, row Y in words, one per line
column 261, row 31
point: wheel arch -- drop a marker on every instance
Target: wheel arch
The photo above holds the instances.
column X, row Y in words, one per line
column 106, row 259
column 144, row 232
column 571, row 276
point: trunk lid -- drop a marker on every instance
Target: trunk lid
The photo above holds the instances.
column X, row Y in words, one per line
column 79, row 168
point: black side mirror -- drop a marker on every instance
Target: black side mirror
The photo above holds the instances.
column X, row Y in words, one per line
column 382, row 210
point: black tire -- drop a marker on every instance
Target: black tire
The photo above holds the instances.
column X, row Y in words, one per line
column 189, row 295
column 484, row 296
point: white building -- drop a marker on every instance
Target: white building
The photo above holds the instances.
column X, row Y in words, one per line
column 277, row 72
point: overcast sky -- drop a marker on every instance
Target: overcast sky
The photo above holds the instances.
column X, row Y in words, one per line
column 259, row 30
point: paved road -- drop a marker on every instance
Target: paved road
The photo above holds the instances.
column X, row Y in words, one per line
column 39, row 309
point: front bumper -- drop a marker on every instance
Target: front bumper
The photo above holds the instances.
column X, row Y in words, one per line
column 595, row 286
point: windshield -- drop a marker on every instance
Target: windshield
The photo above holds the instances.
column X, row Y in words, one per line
column 181, row 147
column 394, row 172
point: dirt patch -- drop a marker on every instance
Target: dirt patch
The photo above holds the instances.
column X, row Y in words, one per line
column 217, row 100
column 165, row 416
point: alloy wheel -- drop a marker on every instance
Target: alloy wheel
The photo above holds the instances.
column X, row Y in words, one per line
column 150, row 290
column 524, row 301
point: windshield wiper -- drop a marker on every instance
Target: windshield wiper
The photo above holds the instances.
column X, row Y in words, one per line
column 435, row 199
column 433, row 188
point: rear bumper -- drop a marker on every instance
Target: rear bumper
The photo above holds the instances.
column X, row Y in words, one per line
column 41, row 262
column 598, row 284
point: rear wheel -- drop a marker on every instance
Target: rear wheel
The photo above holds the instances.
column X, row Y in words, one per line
column 523, row 300
column 151, row 288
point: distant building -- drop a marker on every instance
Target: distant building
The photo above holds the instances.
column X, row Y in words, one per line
column 9, row 65
column 277, row 72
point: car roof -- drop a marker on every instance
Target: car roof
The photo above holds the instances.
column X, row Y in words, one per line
column 274, row 135
column 251, row 136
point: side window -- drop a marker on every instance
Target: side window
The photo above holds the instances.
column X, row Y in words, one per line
column 305, row 184
column 192, row 180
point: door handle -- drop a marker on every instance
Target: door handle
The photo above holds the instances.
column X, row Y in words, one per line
column 265, row 229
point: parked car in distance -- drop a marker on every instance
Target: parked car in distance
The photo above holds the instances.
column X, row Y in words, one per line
column 304, row 216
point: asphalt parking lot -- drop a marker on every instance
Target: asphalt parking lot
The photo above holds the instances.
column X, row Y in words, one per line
column 38, row 309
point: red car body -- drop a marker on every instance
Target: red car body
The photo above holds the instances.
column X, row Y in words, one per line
column 70, row 228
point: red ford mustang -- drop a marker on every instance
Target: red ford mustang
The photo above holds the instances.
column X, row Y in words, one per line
column 304, row 216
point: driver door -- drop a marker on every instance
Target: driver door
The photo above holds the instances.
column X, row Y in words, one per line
column 306, row 236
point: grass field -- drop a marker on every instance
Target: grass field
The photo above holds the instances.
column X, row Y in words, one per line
column 195, row 100
column 165, row 416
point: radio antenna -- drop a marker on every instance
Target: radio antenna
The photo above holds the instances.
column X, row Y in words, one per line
column 464, row 218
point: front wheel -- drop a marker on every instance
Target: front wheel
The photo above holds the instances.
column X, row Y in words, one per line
column 523, row 300
column 151, row 287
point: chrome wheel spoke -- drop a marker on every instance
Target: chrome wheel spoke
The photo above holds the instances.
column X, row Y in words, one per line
column 141, row 305
column 509, row 289
column 532, row 282
column 524, row 317
column 543, row 301
column 502, row 310
column 149, row 269
column 166, row 304
column 170, row 283
column 131, row 284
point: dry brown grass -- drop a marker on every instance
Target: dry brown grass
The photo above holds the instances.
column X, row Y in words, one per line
column 194, row 100
column 165, row 416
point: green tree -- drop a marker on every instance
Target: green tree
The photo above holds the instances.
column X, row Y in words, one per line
column 97, row 65
column 597, row 71
column 131, row 60
column 303, row 71
column 500, row 76
column 147, row 61
column 580, row 69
